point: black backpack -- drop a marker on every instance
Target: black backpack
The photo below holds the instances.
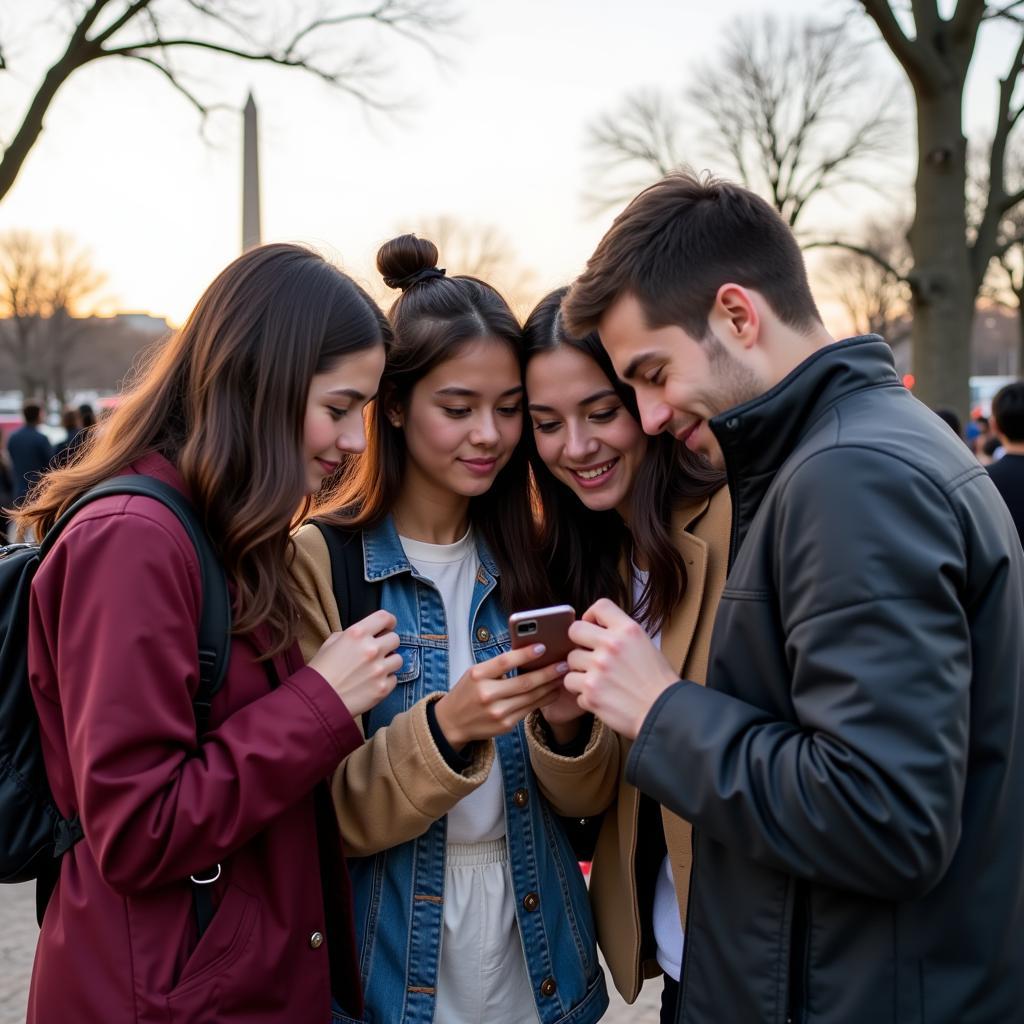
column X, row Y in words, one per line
column 33, row 834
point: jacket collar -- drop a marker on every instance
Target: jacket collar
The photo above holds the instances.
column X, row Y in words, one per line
column 384, row 556
column 758, row 436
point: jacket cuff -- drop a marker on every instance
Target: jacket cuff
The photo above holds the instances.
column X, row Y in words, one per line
column 328, row 707
column 480, row 755
column 648, row 735
column 456, row 760
column 570, row 758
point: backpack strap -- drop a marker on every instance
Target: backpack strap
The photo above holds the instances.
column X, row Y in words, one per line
column 356, row 596
column 214, row 634
column 215, row 618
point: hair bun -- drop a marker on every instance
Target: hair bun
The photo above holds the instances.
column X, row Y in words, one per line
column 407, row 260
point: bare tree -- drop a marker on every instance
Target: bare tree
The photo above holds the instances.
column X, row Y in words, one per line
column 952, row 256
column 160, row 33
column 790, row 108
column 872, row 289
column 46, row 287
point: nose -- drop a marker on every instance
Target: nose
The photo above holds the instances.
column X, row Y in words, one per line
column 353, row 440
column 654, row 416
column 580, row 443
column 485, row 431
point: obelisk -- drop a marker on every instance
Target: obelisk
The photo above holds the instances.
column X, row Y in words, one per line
column 251, row 234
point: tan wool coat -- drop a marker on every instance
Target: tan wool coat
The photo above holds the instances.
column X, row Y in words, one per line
column 595, row 781
column 397, row 784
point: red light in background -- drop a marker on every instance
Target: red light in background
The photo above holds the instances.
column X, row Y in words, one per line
column 909, row 381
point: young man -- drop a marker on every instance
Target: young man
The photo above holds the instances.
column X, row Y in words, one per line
column 1008, row 472
column 29, row 450
column 854, row 769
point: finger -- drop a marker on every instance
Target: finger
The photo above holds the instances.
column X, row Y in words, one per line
column 513, row 710
column 392, row 664
column 510, row 660
column 541, row 676
column 605, row 613
column 380, row 621
column 586, row 634
column 580, row 660
column 574, row 683
column 387, row 642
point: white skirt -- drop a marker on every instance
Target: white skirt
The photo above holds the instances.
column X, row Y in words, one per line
column 482, row 977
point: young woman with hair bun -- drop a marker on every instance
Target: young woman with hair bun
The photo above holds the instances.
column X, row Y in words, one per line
column 470, row 907
column 244, row 412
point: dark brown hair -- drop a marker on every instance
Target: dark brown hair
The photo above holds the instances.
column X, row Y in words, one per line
column 583, row 548
column 678, row 242
column 224, row 399
column 433, row 318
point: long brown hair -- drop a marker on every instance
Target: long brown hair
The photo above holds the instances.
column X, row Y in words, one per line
column 432, row 319
column 583, row 548
column 224, row 399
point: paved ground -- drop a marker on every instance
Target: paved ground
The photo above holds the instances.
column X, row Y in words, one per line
column 18, row 938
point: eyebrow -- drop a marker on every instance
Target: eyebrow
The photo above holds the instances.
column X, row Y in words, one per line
column 457, row 392
column 352, row 393
column 589, row 400
column 636, row 362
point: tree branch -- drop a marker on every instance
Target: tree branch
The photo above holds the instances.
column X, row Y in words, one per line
column 921, row 68
column 860, row 250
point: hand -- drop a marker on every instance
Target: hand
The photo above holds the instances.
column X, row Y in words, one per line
column 360, row 663
column 484, row 704
column 617, row 672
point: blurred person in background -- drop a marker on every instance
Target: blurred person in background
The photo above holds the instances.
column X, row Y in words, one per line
column 29, row 450
column 1008, row 472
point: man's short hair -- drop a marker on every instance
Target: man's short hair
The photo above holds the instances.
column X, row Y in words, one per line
column 1008, row 411
column 33, row 412
column 678, row 242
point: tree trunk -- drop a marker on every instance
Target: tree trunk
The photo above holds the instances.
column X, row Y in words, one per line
column 1019, row 368
column 943, row 296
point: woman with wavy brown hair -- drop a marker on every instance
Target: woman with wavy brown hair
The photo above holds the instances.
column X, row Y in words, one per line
column 244, row 411
column 642, row 521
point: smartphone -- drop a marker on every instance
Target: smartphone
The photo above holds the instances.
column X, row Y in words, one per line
column 547, row 626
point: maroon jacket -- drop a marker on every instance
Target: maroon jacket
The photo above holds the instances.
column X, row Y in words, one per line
column 113, row 663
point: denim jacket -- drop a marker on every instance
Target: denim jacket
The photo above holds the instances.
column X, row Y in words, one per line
column 399, row 893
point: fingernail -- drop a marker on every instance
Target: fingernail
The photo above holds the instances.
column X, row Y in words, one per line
column 539, row 648
column 562, row 667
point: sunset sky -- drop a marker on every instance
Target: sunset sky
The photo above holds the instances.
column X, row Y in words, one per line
column 493, row 136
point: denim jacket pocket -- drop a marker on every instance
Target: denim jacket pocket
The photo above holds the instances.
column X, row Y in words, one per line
column 410, row 669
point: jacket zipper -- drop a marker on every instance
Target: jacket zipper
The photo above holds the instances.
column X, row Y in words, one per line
column 798, row 956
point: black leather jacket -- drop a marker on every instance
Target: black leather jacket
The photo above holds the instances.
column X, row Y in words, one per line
column 854, row 768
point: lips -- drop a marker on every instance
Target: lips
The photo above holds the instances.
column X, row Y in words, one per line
column 328, row 466
column 685, row 435
column 481, row 467
column 594, row 476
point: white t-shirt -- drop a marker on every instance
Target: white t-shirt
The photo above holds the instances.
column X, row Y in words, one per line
column 452, row 568
column 668, row 928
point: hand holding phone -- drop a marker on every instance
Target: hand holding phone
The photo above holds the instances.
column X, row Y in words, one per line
column 550, row 626
column 486, row 702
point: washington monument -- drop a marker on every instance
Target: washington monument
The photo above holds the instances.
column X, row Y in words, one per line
column 251, row 234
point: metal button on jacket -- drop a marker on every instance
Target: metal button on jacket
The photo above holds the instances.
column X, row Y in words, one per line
column 483, row 634
column 316, row 940
column 531, row 901
column 548, row 987
column 520, row 798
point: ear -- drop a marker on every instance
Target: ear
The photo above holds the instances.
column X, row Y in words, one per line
column 392, row 410
column 735, row 315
